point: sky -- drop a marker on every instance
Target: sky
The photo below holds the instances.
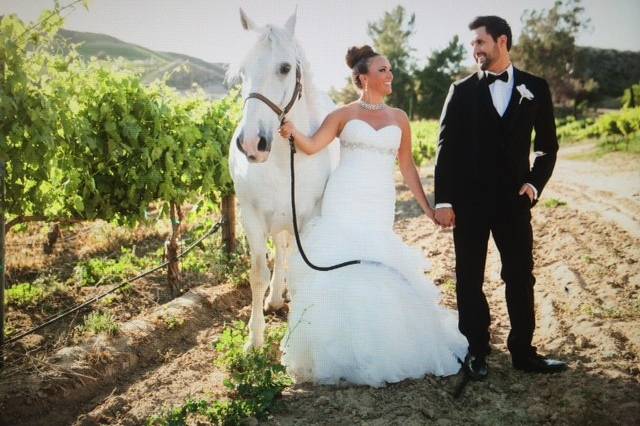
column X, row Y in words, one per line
column 211, row 30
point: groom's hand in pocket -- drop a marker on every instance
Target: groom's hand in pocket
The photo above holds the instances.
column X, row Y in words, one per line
column 445, row 217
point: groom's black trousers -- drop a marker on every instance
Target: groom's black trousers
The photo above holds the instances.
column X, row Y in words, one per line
column 513, row 237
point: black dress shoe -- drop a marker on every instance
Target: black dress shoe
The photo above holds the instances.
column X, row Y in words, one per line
column 535, row 363
column 476, row 367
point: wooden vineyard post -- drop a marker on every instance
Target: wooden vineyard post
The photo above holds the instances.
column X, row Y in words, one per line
column 174, row 278
column 228, row 210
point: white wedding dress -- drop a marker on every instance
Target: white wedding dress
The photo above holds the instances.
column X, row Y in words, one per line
column 365, row 324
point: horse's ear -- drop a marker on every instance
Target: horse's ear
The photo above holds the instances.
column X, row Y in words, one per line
column 290, row 26
column 247, row 23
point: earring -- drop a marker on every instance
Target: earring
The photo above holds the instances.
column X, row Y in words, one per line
column 365, row 87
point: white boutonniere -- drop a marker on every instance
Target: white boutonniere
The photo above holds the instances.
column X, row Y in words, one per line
column 524, row 93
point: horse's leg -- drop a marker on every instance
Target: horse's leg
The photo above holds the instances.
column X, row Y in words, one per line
column 275, row 299
column 288, row 249
column 259, row 278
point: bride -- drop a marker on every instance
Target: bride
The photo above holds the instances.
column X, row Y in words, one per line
column 369, row 323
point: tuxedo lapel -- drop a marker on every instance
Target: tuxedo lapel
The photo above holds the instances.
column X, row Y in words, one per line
column 510, row 116
column 476, row 102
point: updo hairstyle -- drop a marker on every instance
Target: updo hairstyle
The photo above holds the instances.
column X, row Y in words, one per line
column 358, row 59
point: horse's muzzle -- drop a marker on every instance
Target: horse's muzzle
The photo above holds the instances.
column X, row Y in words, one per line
column 256, row 150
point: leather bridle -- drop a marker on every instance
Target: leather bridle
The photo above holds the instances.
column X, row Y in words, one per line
column 281, row 113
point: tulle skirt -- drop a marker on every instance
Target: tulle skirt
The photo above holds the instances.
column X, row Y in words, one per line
column 372, row 323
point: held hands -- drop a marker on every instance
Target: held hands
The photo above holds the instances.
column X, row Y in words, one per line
column 287, row 130
column 431, row 214
column 445, row 217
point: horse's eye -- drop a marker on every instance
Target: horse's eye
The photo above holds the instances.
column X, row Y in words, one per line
column 285, row 68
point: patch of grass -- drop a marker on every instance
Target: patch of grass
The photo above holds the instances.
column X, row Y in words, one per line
column 553, row 203
column 100, row 271
column 630, row 144
column 233, row 267
column 256, row 380
column 194, row 262
column 587, row 259
column 172, row 321
column 98, row 322
column 628, row 310
column 109, row 300
column 126, row 290
column 9, row 330
column 449, row 286
column 26, row 295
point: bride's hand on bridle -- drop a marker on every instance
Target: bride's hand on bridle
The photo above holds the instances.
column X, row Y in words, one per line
column 286, row 130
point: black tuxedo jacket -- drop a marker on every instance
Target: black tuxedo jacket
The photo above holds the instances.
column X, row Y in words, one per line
column 459, row 167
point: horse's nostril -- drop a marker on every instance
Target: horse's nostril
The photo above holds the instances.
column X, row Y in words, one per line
column 251, row 157
column 262, row 145
column 239, row 143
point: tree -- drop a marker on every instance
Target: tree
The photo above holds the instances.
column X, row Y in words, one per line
column 614, row 70
column 433, row 81
column 345, row 95
column 390, row 37
column 546, row 47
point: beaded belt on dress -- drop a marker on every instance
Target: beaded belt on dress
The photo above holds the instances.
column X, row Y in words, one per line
column 367, row 147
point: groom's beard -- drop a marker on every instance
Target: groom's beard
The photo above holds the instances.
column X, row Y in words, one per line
column 484, row 64
column 489, row 59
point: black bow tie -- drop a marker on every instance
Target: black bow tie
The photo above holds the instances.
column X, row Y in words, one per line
column 493, row 77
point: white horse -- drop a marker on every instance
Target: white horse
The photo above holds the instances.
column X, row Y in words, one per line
column 259, row 159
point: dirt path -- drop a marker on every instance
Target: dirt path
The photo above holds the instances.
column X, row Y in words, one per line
column 588, row 313
column 608, row 186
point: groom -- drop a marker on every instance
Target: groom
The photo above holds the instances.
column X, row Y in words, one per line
column 484, row 184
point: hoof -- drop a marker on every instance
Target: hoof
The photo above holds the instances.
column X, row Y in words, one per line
column 274, row 305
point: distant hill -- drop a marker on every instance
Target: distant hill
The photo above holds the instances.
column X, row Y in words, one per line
column 209, row 76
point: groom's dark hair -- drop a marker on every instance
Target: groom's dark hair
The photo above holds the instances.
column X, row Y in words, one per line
column 495, row 25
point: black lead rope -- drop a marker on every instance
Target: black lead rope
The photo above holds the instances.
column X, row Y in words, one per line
column 295, row 221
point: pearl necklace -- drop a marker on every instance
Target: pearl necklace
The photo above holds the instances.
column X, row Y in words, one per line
column 370, row 107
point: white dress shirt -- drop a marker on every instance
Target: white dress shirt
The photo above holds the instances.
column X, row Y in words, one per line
column 500, row 96
column 501, row 91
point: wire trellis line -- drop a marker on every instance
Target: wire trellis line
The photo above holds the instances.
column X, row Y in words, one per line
column 88, row 302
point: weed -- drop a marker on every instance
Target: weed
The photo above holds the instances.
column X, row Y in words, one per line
column 449, row 286
column 98, row 322
column 553, row 203
column 24, row 295
column 172, row 321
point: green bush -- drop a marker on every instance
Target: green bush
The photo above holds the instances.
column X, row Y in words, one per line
column 100, row 271
column 631, row 97
column 24, row 294
column 32, row 294
column 612, row 127
column 425, row 140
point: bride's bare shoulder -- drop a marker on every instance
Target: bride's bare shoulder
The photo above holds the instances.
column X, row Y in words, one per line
column 343, row 113
column 346, row 110
column 400, row 116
